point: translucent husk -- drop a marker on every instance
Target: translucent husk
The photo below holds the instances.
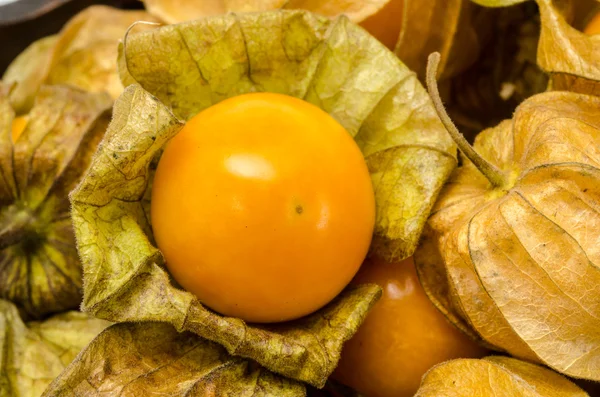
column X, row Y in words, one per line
column 515, row 261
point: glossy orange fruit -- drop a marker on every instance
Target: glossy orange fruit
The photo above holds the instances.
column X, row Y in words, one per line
column 386, row 24
column 403, row 336
column 18, row 126
column 593, row 26
column 263, row 207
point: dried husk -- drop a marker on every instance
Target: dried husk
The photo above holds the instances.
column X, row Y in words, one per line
column 446, row 26
column 145, row 359
column 495, row 376
column 518, row 265
column 40, row 270
column 181, row 69
column 83, row 54
column 32, row 355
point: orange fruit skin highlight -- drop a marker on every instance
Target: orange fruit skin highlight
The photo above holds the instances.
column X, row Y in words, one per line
column 386, row 24
column 18, row 126
column 402, row 337
column 593, row 26
column 263, row 207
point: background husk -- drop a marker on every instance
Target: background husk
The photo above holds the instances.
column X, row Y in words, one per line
column 518, row 265
column 334, row 65
column 495, row 376
column 83, row 54
column 33, row 354
column 40, row 270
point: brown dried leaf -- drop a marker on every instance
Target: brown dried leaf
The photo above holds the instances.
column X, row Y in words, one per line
column 32, row 355
column 143, row 359
column 40, row 270
column 495, row 376
column 522, row 261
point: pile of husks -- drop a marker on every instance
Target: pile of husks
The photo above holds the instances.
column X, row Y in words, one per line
column 505, row 236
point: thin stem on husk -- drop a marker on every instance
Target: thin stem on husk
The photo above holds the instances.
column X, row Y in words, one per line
column 496, row 177
column 127, row 35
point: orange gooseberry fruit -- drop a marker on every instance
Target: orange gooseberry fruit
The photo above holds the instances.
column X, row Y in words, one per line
column 593, row 26
column 18, row 126
column 263, row 207
column 386, row 24
column 402, row 337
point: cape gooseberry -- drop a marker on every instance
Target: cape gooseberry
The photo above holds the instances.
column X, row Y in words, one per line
column 263, row 207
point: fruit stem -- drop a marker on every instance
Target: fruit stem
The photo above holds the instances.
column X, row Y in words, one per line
column 496, row 177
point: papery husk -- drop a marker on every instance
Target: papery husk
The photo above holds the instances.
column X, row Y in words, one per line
column 83, row 54
column 495, row 376
column 520, row 263
column 446, row 26
column 40, row 270
column 32, row 355
column 145, row 359
column 191, row 66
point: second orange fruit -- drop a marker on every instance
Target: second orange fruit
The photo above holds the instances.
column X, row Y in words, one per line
column 403, row 336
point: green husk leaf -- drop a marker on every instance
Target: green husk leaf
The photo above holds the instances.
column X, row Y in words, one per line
column 494, row 376
column 40, row 270
column 83, row 54
column 144, row 359
column 332, row 64
column 28, row 71
column 32, row 355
